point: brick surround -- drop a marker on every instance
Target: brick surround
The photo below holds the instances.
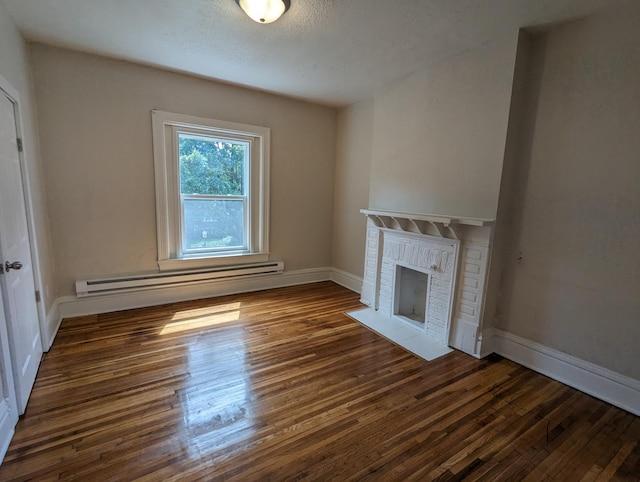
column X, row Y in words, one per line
column 434, row 256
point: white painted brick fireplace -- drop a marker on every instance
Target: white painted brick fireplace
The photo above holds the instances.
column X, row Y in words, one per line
column 436, row 257
column 454, row 253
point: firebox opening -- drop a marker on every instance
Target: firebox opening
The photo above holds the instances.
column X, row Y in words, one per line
column 411, row 295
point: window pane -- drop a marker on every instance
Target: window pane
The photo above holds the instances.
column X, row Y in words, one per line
column 210, row 165
column 213, row 224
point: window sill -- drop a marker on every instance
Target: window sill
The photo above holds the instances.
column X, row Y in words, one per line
column 194, row 263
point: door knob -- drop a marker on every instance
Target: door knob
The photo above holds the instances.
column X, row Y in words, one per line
column 15, row 265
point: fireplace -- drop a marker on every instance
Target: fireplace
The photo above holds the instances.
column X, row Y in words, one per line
column 419, row 270
column 428, row 272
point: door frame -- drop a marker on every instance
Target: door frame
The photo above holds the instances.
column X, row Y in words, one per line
column 14, row 96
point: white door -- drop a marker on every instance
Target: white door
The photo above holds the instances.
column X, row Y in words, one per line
column 8, row 408
column 17, row 283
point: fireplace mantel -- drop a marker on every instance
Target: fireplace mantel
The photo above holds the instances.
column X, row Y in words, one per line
column 431, row 224
column 433, row 218
column 474, row 236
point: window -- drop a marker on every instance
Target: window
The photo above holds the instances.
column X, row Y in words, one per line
column 211, row 191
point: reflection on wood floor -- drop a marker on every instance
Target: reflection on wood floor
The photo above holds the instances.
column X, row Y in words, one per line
column 281, row 385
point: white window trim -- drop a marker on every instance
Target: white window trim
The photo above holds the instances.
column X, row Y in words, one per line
column 168, row 200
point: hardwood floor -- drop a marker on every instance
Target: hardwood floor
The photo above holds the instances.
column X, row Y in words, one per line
column 281, row 385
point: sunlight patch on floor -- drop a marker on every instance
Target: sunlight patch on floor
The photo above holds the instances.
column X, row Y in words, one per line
column 202, row 318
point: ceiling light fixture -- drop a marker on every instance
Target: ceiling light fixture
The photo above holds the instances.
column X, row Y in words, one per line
column 264, row 11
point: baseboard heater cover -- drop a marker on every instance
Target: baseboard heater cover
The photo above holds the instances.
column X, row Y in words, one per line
column 121, row 284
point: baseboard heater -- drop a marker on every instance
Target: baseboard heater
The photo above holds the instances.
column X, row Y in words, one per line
column 123, row 284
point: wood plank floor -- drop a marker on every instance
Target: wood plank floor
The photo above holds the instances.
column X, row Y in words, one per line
column 281, row 385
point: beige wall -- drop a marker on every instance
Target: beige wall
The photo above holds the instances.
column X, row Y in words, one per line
column 96, row 136
column 16, row 69
column 439, row 135
column 577, row 288
column 353, row 165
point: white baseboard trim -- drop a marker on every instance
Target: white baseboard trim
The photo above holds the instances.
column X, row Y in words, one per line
column 602, row 383
column 348, row 280
column 53, row 324
column 70, row 306
column 487, row 342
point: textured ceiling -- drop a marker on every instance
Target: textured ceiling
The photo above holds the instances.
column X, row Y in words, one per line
column 329, row 51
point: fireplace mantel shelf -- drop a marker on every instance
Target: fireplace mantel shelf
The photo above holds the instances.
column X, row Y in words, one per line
column 443, row 226
column 431, row 218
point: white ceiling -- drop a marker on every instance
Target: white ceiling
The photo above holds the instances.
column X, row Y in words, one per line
column 329, row 51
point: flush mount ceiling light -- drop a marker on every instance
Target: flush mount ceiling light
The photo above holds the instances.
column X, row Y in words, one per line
column 264, row 11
